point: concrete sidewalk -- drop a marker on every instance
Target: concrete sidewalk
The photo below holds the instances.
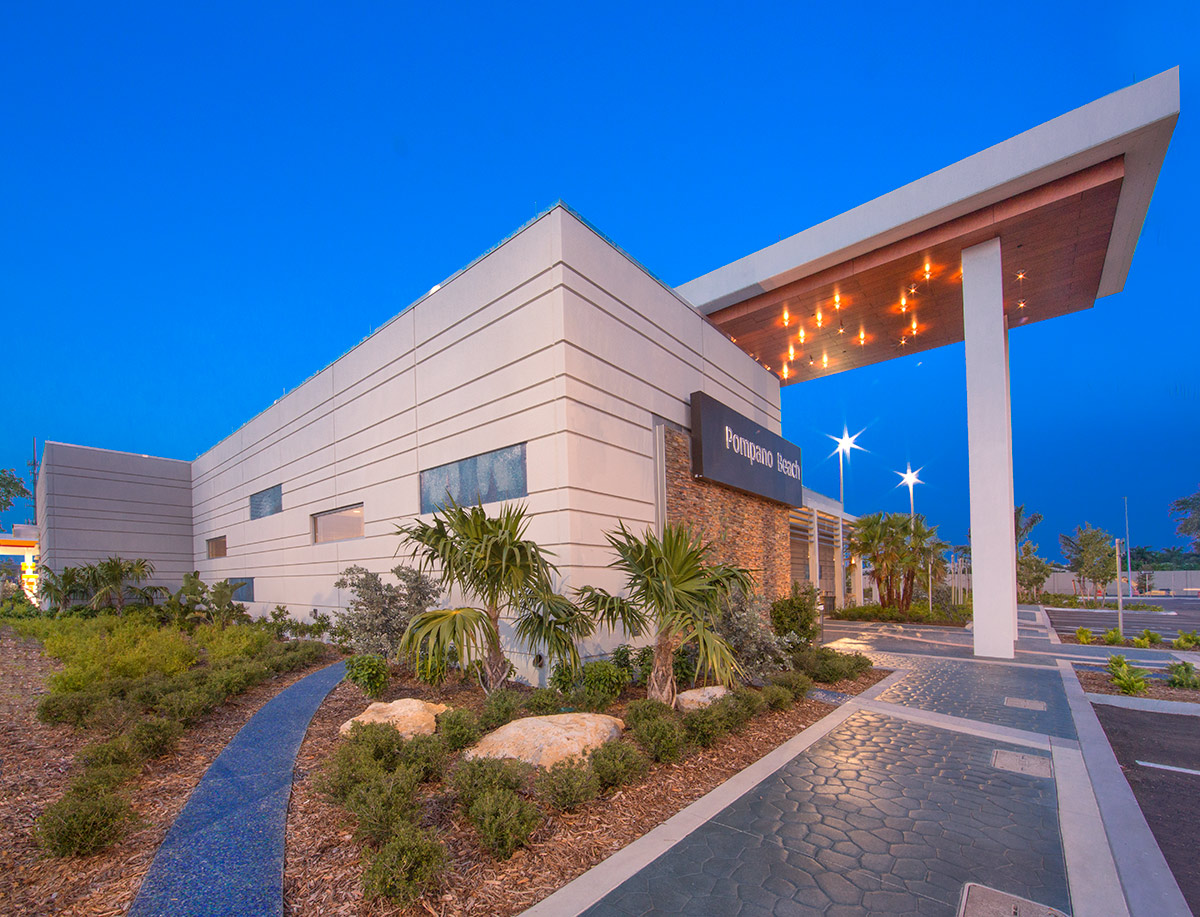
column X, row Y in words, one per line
column 950, row 771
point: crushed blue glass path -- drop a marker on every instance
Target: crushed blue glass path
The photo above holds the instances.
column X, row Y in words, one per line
column 223, row 857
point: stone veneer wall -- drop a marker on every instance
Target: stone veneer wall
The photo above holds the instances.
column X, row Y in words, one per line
column 746, row 530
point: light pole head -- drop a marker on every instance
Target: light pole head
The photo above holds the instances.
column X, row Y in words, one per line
column 846, row 442
column 909, row 477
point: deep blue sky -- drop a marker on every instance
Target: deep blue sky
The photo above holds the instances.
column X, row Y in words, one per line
column 203, row 204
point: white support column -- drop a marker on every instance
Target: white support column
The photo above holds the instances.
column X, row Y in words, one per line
column 856, row 579
column 839, row 570
column 814, row 551
column 989, row 439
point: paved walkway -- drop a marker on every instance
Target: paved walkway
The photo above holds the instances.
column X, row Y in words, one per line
column 952, row 770
column 224, row 855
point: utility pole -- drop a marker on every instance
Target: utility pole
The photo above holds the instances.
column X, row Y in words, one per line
column 1120, row 604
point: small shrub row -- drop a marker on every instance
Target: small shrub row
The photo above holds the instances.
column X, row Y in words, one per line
column 1126, row 678
column 828, row 666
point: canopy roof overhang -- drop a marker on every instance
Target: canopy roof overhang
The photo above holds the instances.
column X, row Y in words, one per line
column 1067, row 199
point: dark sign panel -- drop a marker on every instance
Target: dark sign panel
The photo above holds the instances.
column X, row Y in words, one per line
column 732, row 449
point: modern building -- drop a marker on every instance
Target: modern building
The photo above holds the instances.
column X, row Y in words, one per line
column 557, row 370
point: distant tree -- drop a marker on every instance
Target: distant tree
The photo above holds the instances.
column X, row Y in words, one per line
column 1024, row 525
column 1189, row 525
column 12, row 489
column 1090, row 556
column 1032, row 571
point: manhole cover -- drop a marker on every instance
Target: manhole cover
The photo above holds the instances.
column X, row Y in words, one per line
column 1024, row 703
column 981, row 901
column 1020, row 763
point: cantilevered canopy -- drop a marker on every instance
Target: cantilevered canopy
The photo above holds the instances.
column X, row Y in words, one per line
column 1067, row 200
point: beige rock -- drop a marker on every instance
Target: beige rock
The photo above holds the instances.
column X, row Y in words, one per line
column 699, row 697
column 410, row 716
column 546, row 740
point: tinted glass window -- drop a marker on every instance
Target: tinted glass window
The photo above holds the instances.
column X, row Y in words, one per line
column 339, row 524
column 486, row 478
column 216, row 547
column 266, row 502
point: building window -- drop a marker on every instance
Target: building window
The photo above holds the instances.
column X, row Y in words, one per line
column 216, row 547
column 338, row 524
column 245, row 588
column 487, row 478
column 266, row 502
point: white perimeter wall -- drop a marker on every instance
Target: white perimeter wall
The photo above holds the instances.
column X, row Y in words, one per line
column 95, row 503
column 555, row 339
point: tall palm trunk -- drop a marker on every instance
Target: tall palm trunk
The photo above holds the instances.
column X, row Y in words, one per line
column 495, row 666
column 661, row 686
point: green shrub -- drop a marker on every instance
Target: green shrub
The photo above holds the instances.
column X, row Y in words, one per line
column 684, row 664
column 1187, row 639
column 797, row 683
column 155, row 736
column 1083, row 635
column 1152, row 638
column 459, row 729
column 544, row 702
column 383, row 802
column 229, row 644
column 500, row 707
column 83, row 822
column 97, row 650
column 1112, row 637
column 504, row 821
column 370, row 750
column 116, row 752
column 1140, row 643
column 743, row 624
column 643, row 665
column 604, row 678
column 566, row 785
column 777, row 697
column 617, row 763
column 828, row 666
column 424, row 755
column 369, row 672
column 101, row 779
column 622, row 658
column 640, row 711
column 738, row 707
column 1182, row 675
column 563, row 678
column 471, row 779
column 797, row 613
column 704, row 726
column 663, row 739
column 406, row 866
column 1116, row 663
column 185, row 706
column 74, row 708
column 584, row 699
column 1130, row 681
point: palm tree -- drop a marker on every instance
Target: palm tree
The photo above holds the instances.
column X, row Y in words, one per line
column 59, row 589
column 672, row 589
column 489, row 559
column 116, row 578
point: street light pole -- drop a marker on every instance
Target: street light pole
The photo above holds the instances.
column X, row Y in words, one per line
column 845, row 443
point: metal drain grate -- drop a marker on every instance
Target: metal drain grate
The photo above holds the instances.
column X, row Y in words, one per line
column 981, row 901
column 1020, row 763
column 1024, row 703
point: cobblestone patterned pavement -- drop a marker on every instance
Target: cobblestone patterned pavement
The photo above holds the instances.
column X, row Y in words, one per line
column 880, row 816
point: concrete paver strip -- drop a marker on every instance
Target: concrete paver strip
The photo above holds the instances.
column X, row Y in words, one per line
column 1149, row 886
column 1149, row 704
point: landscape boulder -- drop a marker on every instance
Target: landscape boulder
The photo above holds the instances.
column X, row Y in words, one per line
column 545, row 740
column 410, row 717
column 699, row 697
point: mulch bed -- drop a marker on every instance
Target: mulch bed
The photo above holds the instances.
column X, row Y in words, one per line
column 1100, row 683
column 324, row 862
column 37, row 763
